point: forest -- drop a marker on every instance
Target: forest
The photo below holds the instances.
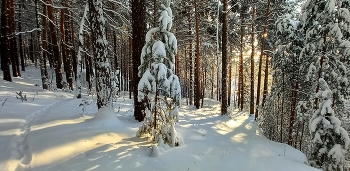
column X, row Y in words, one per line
column 154, row 66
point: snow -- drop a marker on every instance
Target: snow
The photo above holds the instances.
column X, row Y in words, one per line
column 50, row 132
column 158, row 49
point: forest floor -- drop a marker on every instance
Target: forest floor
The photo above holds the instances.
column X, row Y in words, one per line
column 53, row 131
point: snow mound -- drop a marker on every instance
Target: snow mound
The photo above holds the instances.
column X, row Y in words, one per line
column 106, row 117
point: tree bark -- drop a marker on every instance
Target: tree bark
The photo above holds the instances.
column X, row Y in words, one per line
column 260, row 58
column 292, row 113
column 251, row 105
column 100, row 49
column 266, row 79
column 197, row 60
column 138, row 8
column 12, row 41
column 240, row 75
column 224, row 61
column 42, row 56
column 5, row 62
column 20, row 37
column 55, row 47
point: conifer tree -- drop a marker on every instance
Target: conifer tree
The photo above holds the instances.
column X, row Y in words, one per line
column 329, row 140
column 324, row 24
column 159, row 81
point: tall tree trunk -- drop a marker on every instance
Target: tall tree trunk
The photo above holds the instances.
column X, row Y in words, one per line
column 20, row 37
column 260, row 58
column 154, row 13
column 292, row 113
column 73, row 53
column 88, row 59
column 191, row 87
column 63, row 38
column 224, row 61
column 69, row 46
column 320, row 69
column 217, row 54
column 204, row 85
column 212, row 83
column 229, row 80
column 138, row 8
column 55, row 47
column 5, row 60
column 43, row 70
column 131, row 81
column 197, row 61
column 251, row 105
column 31, row 47
column 13, row 42
column 240, row 76
column 266, row 79
column 186, row 80
column 99, row 42
column 81, row 51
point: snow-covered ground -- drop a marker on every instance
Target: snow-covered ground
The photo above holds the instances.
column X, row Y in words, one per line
column 53, row 131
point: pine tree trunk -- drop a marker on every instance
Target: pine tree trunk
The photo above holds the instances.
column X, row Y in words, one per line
column 63, row 38
column 229, row 81
column 191, row 87
column 68, row 46
column 154, row 13
column 138, row 8
column 55, row 47
column 251, row 105
column 43, row 70
column 320, row 69
column 292, row 113
column 204, row 85
column 12, row 41
column 260, row 58
column 88, row 61
column 212, row 83
column 73, row 53
column 81, row 51
column 197, row 60
column 31, row 47
column 100, row 49
column 131, row 81
column 240, row 76
column 265, row 79
column 186, row 80
column 224, row 61
column 20, row 37
column 5, row 62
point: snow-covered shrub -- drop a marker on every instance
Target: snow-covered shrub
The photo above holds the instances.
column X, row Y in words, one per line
column 159, row 87
column 329, row 140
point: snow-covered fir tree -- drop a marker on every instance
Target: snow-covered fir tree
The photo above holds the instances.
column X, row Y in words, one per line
column 159, row 87
column 278, row 115
column 326, row 26
column 329, row 140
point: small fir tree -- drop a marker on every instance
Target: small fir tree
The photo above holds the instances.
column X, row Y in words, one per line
column 159, row 82
column 329, row 140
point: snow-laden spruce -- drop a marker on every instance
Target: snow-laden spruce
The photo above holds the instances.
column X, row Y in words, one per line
column 159, row 87
column 326, row 26
column 329, row 140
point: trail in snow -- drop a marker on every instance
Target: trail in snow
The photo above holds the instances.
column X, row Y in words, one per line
column 20, row 146
column 54, row 131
